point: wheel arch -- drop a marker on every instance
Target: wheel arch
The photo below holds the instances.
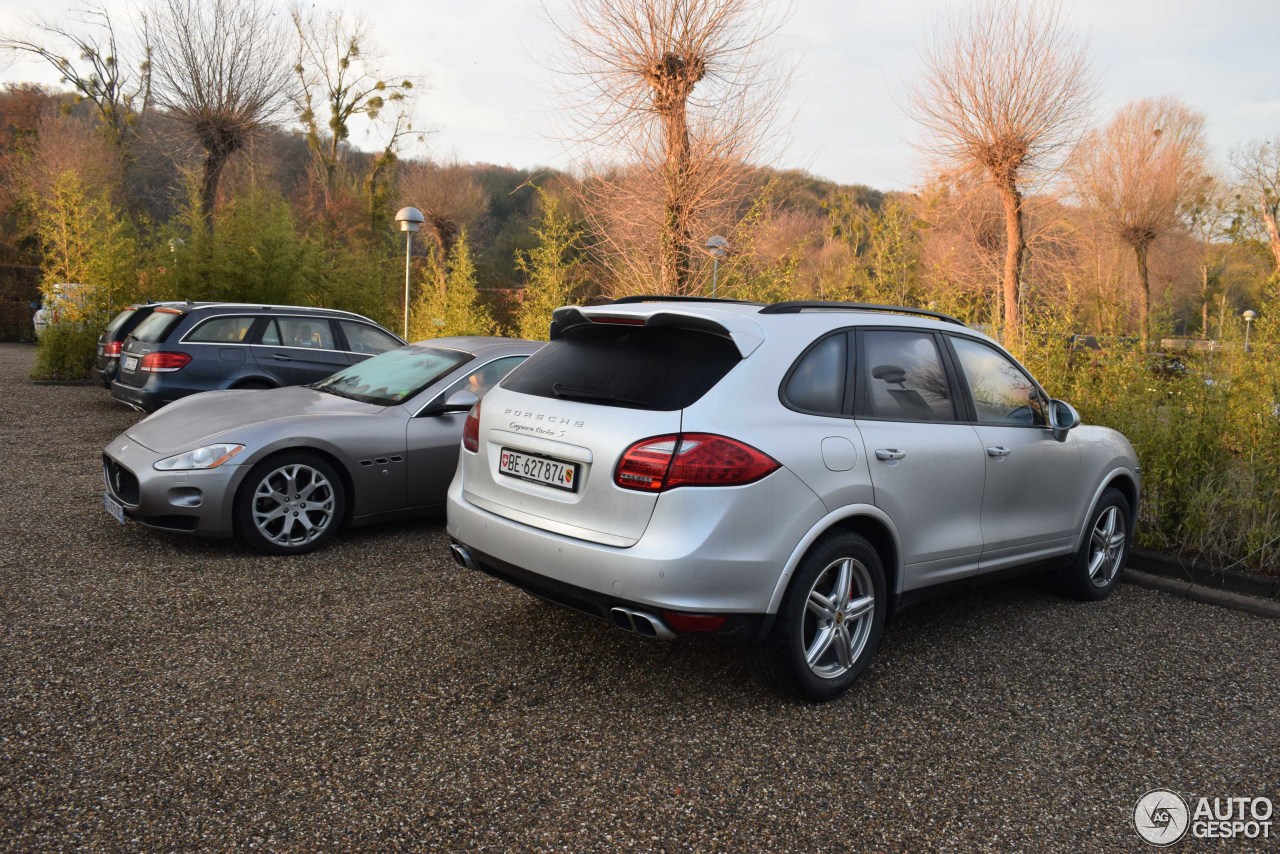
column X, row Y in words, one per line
column 867, row 521
column 1125, row 482
column 348, row 486
column 254, row 381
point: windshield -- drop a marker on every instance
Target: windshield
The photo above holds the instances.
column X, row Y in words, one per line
column 394, row 376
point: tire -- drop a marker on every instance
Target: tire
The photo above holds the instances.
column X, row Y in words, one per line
column 803, row 654
column 249, row 385
column 1094, row 571
column 295, row 520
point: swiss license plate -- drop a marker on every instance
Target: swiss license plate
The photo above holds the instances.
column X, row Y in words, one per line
column 130, row 362
column 538, row 469
column 113, row 507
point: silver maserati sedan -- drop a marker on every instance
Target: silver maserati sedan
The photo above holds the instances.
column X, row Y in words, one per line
column 285, row 468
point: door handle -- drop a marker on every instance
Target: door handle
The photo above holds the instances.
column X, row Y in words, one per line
column 890, row 454
column 281, row 357
column 997, row 451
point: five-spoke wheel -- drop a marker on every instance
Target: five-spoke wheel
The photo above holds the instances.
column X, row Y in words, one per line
column 837, row 621
column 830, row 620
column 1096, row 566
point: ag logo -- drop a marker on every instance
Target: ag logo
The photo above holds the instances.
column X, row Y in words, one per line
column 1161, row 817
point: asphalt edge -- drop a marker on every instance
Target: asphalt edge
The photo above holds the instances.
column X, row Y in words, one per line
column 1202, row 582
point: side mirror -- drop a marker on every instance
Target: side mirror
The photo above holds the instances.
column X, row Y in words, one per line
column 460, row 401
column 1062, row 418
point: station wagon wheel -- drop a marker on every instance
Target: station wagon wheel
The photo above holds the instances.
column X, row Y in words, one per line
column 1095, row 569
column 290, row 504
column 830, row 621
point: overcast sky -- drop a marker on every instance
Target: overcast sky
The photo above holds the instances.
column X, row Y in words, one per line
column 488, row 91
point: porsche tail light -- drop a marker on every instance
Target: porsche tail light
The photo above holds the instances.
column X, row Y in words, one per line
column 471, row 429
column 690, row 459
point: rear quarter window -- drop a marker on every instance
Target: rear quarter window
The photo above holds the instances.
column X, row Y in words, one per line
column 221, row 330
column 634, row 367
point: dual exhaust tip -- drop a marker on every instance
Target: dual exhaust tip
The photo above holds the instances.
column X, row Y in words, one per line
column 627, row 619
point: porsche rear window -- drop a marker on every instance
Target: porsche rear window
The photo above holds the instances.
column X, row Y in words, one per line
column 635, row 367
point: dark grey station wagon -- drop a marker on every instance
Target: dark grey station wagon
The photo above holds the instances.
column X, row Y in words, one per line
column 188, row 348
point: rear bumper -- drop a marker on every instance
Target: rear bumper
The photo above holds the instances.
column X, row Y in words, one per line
column 106, row 371
column 743, row 628
column 137, row 397
column 704, row 551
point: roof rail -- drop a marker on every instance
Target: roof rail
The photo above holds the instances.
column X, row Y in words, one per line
column 661, row 298
column 797, row 306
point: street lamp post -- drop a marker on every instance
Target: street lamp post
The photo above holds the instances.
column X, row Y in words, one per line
column 719, row 248
column 1249, row 317
column 410, row 219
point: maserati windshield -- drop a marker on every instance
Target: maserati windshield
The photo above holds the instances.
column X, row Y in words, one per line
column 395, row 376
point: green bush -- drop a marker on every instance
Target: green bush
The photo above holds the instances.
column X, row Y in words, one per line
column 67, row 351
column 1208, row 441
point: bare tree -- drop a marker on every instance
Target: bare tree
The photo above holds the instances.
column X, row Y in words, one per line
column 1006, row 92
column 1139, row 174
column 682, row 94
column 1257, row 166
column 222, row 70
column 338, row 80
column 118, row 88
column 450, row 200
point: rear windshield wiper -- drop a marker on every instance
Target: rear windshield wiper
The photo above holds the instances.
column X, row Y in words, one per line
column 560, row 390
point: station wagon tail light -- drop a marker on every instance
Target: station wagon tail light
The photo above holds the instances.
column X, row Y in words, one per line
column 691, row 459
column 111, row 349
column 160, row 363
column 471, row 429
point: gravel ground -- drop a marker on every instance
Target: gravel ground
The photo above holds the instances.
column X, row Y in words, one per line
column 166, row 692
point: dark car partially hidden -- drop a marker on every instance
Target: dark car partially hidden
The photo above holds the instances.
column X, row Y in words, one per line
column 111, row 340
column 188, row 348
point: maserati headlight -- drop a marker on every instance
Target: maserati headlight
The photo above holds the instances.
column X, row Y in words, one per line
column 208, row 457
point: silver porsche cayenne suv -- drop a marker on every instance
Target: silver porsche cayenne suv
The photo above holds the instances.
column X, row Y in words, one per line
column 787, row 475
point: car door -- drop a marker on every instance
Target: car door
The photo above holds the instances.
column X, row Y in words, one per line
column 297, row 350
column 927, row 467
column 1033, row 489
column 434, row 437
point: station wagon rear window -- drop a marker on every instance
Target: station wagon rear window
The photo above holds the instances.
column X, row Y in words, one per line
column 157, row 327
column 635, row 367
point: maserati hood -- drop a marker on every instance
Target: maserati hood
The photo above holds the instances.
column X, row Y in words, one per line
column 202, row 418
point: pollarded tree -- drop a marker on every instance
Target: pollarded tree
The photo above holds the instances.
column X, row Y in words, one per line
column 1139, row 174
column 222, row 69
column 682, row 93
column 1006, row 92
